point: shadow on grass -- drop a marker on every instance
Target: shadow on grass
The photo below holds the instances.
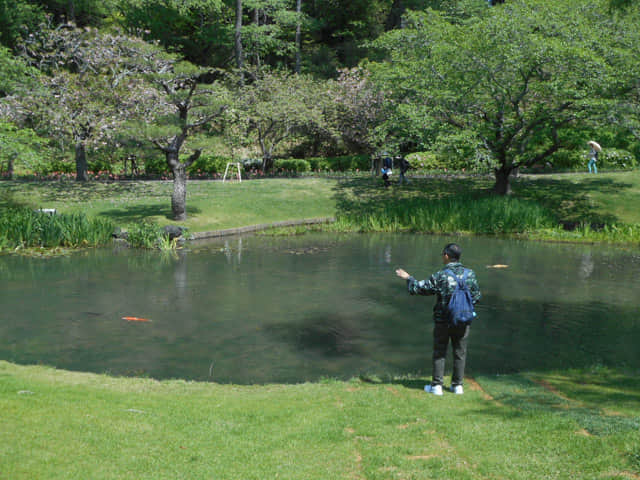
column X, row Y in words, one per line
column 528, row 397
column 138, row 213
column 568, row 201
column 360, row 196
column 68, row 191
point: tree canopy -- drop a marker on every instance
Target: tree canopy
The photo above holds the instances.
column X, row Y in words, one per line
column 517, row 78
column 508, row 83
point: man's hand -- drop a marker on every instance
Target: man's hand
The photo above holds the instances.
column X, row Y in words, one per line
column 402, row 274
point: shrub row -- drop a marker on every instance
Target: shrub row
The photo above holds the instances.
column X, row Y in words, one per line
column 613, row 158
column 209, row 164
column 214, row 166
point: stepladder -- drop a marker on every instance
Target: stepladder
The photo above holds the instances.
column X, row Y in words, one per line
column 229, row 170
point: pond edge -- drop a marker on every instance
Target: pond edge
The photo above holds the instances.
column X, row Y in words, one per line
column 258, row 227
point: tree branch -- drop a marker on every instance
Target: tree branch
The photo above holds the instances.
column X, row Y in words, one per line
column 192, row 158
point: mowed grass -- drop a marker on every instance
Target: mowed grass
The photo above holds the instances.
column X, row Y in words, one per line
column 607, row 197
column 562, row 208
column 211, row 205
column 438, row 204
column 560, row 425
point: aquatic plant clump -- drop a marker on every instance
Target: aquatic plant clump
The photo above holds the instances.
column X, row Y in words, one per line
column 25, row 228
column 489, row 215
column 148, row 235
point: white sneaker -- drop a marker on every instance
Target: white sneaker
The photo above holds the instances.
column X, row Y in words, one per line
column 433, row 389
column 457, row 389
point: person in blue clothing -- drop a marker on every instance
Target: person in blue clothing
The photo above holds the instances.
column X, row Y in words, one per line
column 593, row 156
column 442, row 284
column 386, row 171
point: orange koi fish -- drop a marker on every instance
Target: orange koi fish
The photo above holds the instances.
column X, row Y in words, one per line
column 136, row 319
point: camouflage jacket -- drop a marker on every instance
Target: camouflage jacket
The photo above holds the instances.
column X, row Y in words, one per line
column 442, row 285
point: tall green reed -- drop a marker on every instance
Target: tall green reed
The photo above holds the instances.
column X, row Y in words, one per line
column 485, row 215
column 612, row 233
column 23, row 227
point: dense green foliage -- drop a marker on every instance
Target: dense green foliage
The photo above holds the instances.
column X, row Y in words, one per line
column 22, row 147
column 199, row 30
column 16, row 19
column 14, row 73
column 459, row 84
column 515, row 83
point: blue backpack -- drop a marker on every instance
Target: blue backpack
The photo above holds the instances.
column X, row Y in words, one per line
column 460, row 306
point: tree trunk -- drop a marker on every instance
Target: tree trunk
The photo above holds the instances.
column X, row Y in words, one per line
column 298, row 37
column 502, row 185
column 82, row 175
column 71, row 12
column 267, row 163
column 256, row 20
column 238, row 38
column 10, row 162
column 394, row 19
column 179, row 195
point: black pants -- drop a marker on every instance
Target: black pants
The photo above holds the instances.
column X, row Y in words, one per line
column 442, row 333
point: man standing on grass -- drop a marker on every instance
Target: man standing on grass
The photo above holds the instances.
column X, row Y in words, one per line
column 442, row 284
column 404, row 167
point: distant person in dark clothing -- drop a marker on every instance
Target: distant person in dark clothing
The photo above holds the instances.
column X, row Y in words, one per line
column 404, row 167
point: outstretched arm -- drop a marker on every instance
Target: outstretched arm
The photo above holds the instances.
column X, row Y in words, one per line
column 402, row 274
column 415, row 287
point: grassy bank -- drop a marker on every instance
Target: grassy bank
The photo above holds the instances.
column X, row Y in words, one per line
column 563, row 207
column 562, row 425
column 211, row 205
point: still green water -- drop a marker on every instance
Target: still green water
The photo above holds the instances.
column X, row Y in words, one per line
column 262, row 309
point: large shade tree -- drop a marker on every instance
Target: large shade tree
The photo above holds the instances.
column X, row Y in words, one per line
column 518, row 77
column 89, row 88
column 185, row 107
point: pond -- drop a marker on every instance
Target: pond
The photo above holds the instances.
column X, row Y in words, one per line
column 290, row 309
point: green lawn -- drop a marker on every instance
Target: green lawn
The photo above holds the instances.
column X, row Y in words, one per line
column 611, row 197
column 560, row 425
column 211, row 205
